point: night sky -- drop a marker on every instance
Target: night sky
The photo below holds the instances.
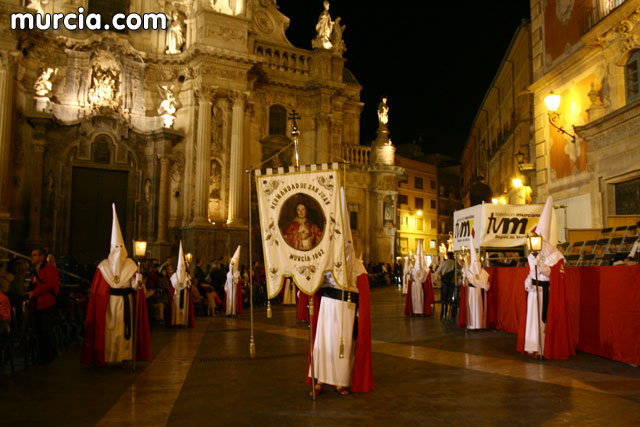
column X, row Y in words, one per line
column 434, row 59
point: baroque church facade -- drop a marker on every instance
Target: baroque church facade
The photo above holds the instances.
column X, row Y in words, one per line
column 166, row 124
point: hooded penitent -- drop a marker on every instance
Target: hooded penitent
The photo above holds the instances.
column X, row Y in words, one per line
column 548, row 228
column 419, row 271
column 235, row 262
column 179, row 279
column 474, row 272
column 117, row 268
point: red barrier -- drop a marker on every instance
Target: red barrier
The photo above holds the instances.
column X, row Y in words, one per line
column 604, row 307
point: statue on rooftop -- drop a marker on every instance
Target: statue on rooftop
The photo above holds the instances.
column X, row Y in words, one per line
column 324, row 29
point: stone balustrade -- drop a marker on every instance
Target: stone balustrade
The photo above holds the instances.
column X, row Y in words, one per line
column 356, row 154
column 288, row 60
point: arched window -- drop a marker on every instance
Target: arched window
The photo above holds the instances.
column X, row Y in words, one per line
column 277, row 120
column 632, row 77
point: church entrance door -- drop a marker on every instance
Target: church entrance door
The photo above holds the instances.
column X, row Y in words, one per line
column 93, row 191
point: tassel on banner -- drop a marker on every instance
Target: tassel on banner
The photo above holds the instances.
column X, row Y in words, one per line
column 252, row 348
column 349, row 300
column 269, row 313
column 341, row 348
column 311, row 306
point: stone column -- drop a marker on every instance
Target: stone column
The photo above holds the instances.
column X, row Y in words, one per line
column 40, row 123
column 163, row 200
column 6, row 103
column 236, row 161
column 203, row 158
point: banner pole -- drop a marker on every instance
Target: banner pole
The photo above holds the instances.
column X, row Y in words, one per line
column 313, row 373
column 252, row 343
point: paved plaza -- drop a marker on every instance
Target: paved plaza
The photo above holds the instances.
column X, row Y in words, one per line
column 427, row 372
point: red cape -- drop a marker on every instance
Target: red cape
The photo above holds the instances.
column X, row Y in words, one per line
column 558, row 339
column 238, row 298
column 462, row 312
column 428, row 298
column 362, row 377
column 95, row 324
column 303, row 312
column 191, row 322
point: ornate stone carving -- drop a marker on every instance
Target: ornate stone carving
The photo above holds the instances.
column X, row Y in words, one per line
column 43, row 84
column 263, row 22
column 563, row 10
column 104, row 91
column 227, row 7
column 168, row 105
column 175, row 34
column 324, row 28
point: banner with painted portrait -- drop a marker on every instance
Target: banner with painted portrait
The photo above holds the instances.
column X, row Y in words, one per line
column 302, row 226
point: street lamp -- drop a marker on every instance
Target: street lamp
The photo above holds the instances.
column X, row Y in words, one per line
column 517, row 182
column 552, row 102
column 535, row 243
column 139, row 249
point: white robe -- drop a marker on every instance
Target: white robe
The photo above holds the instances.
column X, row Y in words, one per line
column 289, row 292
column 180, row 316
column 116, row 347
column 476, row 308
column 329, row 368
column 417, row 298
column 534, row 307
column 230, row 290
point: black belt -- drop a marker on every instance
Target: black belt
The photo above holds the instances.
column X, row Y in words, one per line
column 182, row 298
column 541, row 283
column 124, row 293
column 334, row 293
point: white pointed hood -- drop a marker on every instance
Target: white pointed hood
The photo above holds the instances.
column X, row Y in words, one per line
column 475, row 274
column 117, row 269
column 419, row 271
column 548, row 229
column 234, row 263
column 180, row 279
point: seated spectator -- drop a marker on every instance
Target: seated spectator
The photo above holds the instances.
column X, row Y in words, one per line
column 635, row 249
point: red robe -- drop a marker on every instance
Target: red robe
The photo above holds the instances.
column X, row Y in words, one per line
column 362, row 375
column 558, row 339
column 238, row 298
column 462, row 313
column 303, row 312
column 192, row 322
column 95, row 324
column 427, row 288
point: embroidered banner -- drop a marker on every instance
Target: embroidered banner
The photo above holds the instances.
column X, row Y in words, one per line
column 302, row 226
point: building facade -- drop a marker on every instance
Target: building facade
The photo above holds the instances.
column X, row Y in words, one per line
column 417, row 213
column 500, row 143
column 165, row 124
column 588, row 53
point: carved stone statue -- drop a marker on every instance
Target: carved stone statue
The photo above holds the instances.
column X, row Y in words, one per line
column 38, row 5
column 175, row 35
column 43, row 84
column 336, row 37
column 324, row 28
column 168, row 105
column 383, row 112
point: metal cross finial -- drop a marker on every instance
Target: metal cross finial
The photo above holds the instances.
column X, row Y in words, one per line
column 294, row 132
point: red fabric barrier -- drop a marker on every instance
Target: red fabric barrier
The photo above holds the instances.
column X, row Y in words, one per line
column 603, row 304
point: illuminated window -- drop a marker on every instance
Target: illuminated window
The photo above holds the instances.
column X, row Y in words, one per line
column 433, row 244
column 418, row 183
column 632, row 77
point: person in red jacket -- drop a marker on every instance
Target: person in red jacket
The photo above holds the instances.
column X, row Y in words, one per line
column 45, row 282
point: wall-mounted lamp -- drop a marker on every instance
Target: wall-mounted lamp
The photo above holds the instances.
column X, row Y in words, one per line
column 494, row 201
column 522, row 166
column 552, row 102
column 517, row 182
column 419, row 213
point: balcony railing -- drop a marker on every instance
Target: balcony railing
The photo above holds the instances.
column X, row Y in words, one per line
column 356, row 154
column 591, row 12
